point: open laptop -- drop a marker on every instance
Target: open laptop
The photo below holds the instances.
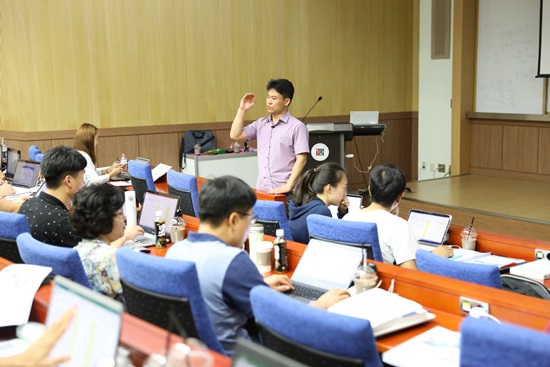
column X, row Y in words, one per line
column 429, row 229
column 94, row 332
column 363, row 117
column 250, row 354
column 355, row 204
column 152, row 202
column 25, row 177
column 324, row 265
column 32, row 192
column 12, row 157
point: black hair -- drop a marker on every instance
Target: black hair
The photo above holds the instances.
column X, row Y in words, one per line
column 60, row 161
column 314, row 181
column 283, row 86
column 94, row 207
column 386, row 183
column 222, row 196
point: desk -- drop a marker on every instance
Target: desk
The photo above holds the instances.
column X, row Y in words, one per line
column 138, row 336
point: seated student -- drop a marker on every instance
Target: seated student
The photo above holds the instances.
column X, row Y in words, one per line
column 226, row 273
column 38, row 353
column 97, row 217
column 10, row 206
column 48, row 213
column 386, row 187
column 85, row 142
column 316, row 190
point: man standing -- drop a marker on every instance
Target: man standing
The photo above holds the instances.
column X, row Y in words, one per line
column 48, row 215
column 283, row 140
column 226, row 273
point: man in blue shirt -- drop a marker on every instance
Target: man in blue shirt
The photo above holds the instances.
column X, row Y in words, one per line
column 226, row 273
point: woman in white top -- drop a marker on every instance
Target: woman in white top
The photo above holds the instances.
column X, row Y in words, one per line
column 85, row 142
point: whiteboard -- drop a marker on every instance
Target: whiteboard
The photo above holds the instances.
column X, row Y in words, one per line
column 507, row 57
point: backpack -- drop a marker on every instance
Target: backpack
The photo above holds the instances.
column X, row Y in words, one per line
column 204, row 138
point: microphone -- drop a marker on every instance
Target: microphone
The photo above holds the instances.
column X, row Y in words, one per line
column 315, row 104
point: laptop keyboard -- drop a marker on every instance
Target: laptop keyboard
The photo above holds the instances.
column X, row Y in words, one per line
column 145, row 240
column 306, row 292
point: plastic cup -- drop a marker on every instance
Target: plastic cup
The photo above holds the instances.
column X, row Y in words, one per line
column 263, row 251
column 364, row 280
column 469, row 238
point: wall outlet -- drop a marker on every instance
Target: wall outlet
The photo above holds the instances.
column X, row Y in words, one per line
column 423, row 165
column 466, row 304
column 542, row 254
column 441, row 168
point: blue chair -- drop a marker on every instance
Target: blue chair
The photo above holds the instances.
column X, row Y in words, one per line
column 332, row 229
column 39, row 157
column 310, row 335
column 141, row 178
column 474, row 273
column 63, row 261
column 170, row 285
column 272, row 215
column 483, row 342
column 12, row 226
column 184, row 186
column 33, row 151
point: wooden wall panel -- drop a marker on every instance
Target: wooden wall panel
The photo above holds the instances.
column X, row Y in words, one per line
column 520, row 148
column 160, row 148
column 544, row 151
column 166, row 62
column 486, row 146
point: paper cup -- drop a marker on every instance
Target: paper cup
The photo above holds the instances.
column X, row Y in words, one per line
column 263, row 251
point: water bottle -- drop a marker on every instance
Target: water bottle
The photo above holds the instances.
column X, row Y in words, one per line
column 281, row 257
column 124, row 162
column 160, row 230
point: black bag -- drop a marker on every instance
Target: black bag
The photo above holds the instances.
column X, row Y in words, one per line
column 204, row 138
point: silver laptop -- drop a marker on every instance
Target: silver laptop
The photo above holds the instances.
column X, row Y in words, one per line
column 32, row 192
column 363, row 117
column 324, row 265
column 429, row 229
column 152, row 202
column 26, row 176
column 94, row 332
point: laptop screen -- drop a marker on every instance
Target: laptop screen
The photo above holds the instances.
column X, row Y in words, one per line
column 152, row 202
column 327, row 265
column 26, row 173
column 429, row 228
column 13, row 156
column 95, row 329
column 355, row 204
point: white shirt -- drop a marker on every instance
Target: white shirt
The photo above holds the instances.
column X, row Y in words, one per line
column 92, row 175
column 397, row 242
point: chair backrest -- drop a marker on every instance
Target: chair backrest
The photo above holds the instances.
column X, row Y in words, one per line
column 185, row 186
column 39, row 157
column 474, row 273
column 310, row 335
column 141, row 178
column 12, row 226
column 63, row 261
column 33, row 151
column 483, row 342
column 169, row 284
column 526, row 286
column 333, row 229
column 271, row 211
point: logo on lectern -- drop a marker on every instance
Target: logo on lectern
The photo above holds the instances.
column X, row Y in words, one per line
column 320, row 152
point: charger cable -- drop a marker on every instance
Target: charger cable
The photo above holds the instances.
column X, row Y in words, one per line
column 479, row 312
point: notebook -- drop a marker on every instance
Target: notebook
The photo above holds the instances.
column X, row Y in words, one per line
column 324, row 265
column 152, row 202
column 429, row 229
column 94, row 332
column 26, row 176
column 363, row 117
column 13, row 156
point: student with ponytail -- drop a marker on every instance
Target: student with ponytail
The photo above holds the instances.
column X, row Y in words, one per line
column 315, row 191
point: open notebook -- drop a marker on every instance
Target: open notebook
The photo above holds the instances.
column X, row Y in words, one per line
column 94, row 332
column 324, row 265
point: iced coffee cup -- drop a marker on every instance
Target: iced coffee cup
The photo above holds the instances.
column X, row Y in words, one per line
column 364, row 279
column 469, row 238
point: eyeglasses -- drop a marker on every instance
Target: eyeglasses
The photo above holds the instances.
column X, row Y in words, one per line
column 253, row 217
